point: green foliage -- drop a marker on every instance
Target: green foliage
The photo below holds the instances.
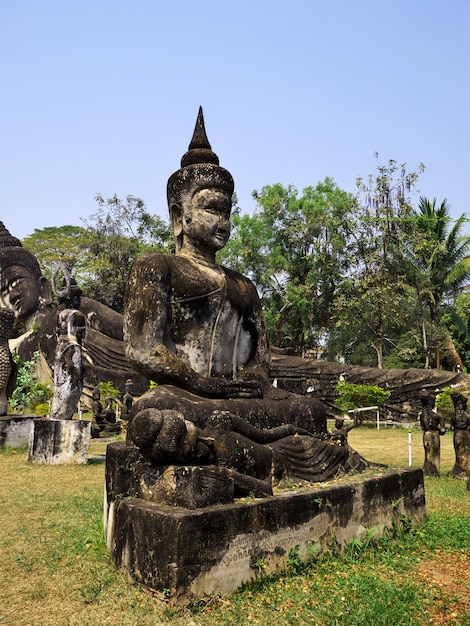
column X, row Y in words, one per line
column 99, row 254
column 352, row 396
column 365, row 279
column 294, row 248
column 108, row 389
column 29, row 392
column 42, row 409
column 375, row 294
column 60, row 243
column 406, row 351
column 444, row 402
column 116, row 234
column 438, row 261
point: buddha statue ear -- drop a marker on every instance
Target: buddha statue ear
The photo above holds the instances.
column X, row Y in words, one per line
column 45, row 290
column 176, row 212
column 177, row 219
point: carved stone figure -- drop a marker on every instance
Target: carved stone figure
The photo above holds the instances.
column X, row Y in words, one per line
column 433, row 426
column 8, row 368
column 25, row 291
column 197, row 329
column 340, row 431
column 109, row 413
column 127, row 399
column 460, row 424
column 256, row 459
column 97, row 407
column 104, row 421
column 68, row 369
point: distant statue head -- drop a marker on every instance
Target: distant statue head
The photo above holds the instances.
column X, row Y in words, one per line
column 459, row 400
column 199, row 189
column 96, row 393
column 23, row 289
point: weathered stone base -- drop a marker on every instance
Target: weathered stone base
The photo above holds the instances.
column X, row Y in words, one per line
column 15, row 430
column 59, row 441
column 213, row 550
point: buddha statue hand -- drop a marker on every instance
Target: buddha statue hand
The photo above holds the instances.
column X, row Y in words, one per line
column 216, row 387
column 169, row 368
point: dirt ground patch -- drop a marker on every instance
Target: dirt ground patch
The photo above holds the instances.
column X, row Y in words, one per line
column 449, row 574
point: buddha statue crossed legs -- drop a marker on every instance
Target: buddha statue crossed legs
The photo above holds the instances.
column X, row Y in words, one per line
column 197, row 329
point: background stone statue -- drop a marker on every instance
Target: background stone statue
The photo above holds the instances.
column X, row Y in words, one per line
column 97, row 406
column 127, row 400
column 104, row 421
column 460, row 424
column 26, row 292
column 197, row 329
column 8, row 368
column 433, row 426
column 68, row 367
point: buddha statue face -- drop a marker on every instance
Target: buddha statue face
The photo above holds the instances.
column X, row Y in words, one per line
column 206, row 222
column 21, row 291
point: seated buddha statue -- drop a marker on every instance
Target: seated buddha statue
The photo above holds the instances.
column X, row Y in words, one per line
column 197, row 330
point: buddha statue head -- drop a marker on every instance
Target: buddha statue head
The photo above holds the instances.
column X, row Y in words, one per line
column 23, row 288
column 200, row 184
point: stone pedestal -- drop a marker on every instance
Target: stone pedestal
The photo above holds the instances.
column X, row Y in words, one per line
column 15, row 430
column 213, row 550
column 59, row 441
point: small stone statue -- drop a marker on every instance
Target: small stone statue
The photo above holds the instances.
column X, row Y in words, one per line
column 109, row 413
column 97, row 408
column 68, row 368
column 104, row 420
column 460, row 424
column 433, row 426
column 340, row 431
column 8, row 368
column 127, row 399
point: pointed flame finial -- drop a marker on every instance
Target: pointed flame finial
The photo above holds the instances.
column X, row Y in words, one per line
column 199, row 150
column 6, row 239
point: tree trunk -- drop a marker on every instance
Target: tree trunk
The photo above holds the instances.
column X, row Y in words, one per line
column 424, row 334
column 378, row 347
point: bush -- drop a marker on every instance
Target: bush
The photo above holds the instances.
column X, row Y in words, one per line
column 352, row 396
column 29, row 392
column 42, row 409
column 108, row 389
column 444, row 404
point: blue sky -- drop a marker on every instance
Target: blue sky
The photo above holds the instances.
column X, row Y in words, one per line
column 101, row 96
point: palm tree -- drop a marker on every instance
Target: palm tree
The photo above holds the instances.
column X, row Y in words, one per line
column 439, row 257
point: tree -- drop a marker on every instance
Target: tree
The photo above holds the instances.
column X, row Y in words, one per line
column 295, row 249
column 439, row 266
column 100, row 253
column 61, row 243
column 375, row 292
column 115, row 235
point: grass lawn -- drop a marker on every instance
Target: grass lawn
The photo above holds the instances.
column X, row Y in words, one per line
column 55, row 570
